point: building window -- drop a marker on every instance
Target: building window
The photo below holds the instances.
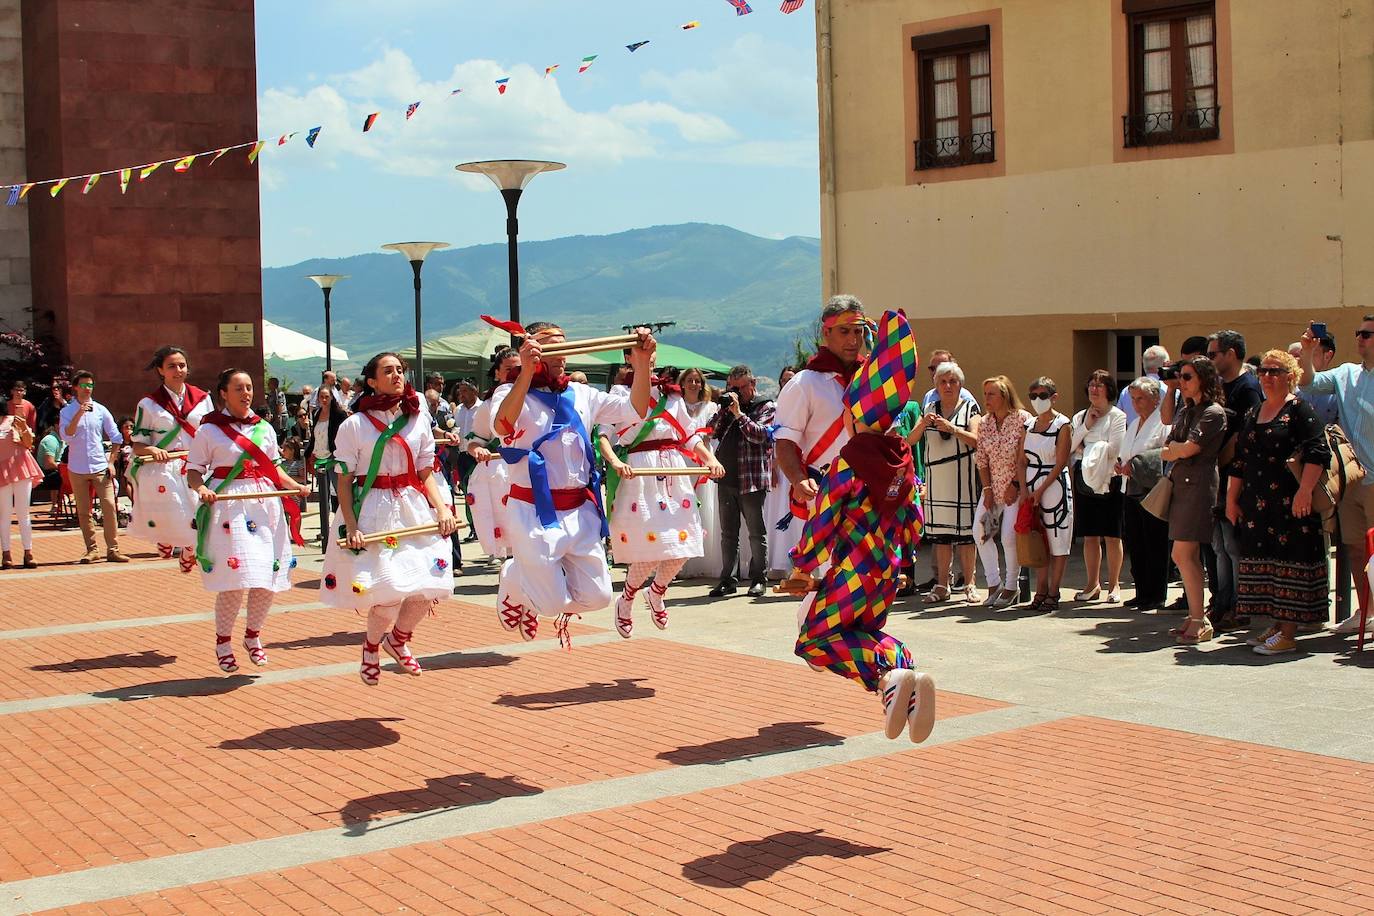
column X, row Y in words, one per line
column 1173, row 58
column 954, row 75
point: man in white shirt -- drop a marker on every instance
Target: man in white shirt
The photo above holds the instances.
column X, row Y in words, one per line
column 1151, row 361
column 85, row 426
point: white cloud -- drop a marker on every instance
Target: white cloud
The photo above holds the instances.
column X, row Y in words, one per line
column 765, row 78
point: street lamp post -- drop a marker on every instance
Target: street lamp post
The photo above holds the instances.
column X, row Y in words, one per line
column 326, row 283
column 511, row 176
column 415, row 253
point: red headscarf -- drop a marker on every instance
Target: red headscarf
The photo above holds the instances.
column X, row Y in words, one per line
column 658, row 381
column 408, row 400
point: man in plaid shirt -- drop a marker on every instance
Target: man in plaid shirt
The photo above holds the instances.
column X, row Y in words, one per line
column 745, row 450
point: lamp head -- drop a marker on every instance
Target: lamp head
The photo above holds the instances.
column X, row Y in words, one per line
column 415, row 251
column 327, row 281
column 510, row 174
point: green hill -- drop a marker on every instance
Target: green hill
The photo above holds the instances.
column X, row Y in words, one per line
column 735, row 297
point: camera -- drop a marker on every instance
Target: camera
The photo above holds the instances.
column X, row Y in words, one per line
column 1168, row 373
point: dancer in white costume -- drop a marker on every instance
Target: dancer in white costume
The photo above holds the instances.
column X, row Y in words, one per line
column 655, row 525
column 166, row 421
column 388, row 482
column 243, row 546
column 696, row 400
column 489, row 483
column 558, row 568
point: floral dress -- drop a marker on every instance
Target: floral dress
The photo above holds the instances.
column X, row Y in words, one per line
column 1282, row 571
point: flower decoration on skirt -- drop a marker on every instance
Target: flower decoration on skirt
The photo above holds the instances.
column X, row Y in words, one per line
column 359, row 588
column 251, row 525
column 232, row 562
column 391, row 542
column 330, row 582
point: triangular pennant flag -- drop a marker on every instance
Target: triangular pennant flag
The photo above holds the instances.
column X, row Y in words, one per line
column 148, row 169
column 184, row 164
column 311, row 137
column 586, row 62
column 14, row 197
column 124, row 180
column 57, row 187
column 510, row 327
column 791, row 6
column 369, row 121
column 636, row 46
column 90, row 183
column 501, row 85
column 281, row 141
column 24, row 191
column 411, row 109
column 219, row 152
column 550, row 69
column 455, row 92
column 691, row 25
column 253, row 153
column 741, row 8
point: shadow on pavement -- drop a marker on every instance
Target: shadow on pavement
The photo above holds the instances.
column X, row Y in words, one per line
column 758, row 860
column 461, row 790
column 334, row 735
column 337, row 638
column 623, row 688
column 180, row 687
column 148, row 658
column 308, row 584
column 771, row 739
column 451, row 660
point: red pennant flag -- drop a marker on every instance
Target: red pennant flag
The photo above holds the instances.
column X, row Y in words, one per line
column 369, row 121
column 510, row 327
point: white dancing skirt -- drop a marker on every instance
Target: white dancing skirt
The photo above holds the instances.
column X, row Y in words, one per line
column 655, row 518
column 164, row 506
column 388, row 572
column 487, row 489
column 248, row 543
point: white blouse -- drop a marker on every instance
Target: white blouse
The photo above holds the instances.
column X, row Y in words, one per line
column 806, row 408
column 1143, row 435
column 357, row 437
column 1100, row 445
column 564, row 454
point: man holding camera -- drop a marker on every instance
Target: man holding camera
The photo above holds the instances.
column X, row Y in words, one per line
column 746, row 453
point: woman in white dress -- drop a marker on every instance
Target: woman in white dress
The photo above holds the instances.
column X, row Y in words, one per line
column 1048, row 445
column 387, row 450
column 654, row 523
column 701, row 410
column 165, row 422
column 243, row 546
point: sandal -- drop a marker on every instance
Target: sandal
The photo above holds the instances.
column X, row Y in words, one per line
column 936, row 595
column 224, row 654
column 1049, row 605
column 1036, row 601
column 395, row 644
column 560, row 627
column 370, row 671
column 253, row 646
column 1203, row 634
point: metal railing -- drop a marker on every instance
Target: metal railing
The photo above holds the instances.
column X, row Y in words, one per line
column 1193, row 125
column 950, row 152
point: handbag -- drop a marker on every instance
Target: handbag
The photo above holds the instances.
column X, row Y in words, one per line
column 1157, row 501
column 1343, row 471
column 1032, row 543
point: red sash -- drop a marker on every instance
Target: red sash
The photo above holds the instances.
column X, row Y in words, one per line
column 563, row 500
column 411, row 477
column 189, row 402
column 264, row 468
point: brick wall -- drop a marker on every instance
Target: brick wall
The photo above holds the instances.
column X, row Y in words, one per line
column 110, row 83
column 16, row 296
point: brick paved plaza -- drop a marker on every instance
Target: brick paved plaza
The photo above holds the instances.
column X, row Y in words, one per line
column 1081, row 763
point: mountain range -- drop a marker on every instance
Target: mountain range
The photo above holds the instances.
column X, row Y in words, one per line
column 735, row 297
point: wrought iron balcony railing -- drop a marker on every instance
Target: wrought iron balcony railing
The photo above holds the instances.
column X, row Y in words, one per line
column 1193, row 125
column 949, row 152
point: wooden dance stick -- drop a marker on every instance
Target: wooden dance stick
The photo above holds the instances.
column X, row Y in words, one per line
column 263, row 494
column 672, row 472
column 170, row 456
column 431, row 528
column 582, row 347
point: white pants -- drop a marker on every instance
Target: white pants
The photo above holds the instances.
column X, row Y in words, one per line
column 559, row 570
column 14, row 498
column 987, row 550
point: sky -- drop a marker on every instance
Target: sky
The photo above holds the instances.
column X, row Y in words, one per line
column 716, row 124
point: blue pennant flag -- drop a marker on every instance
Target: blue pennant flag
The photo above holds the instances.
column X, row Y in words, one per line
column 14, row 197
column 636, row 46
column 310, row 137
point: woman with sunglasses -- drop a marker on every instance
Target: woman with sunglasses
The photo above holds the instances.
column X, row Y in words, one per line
column 1192, row 447
column 1049, row 445
column 1282, row 570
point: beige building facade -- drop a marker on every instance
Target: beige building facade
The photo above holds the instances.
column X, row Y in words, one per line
column 1048, row 186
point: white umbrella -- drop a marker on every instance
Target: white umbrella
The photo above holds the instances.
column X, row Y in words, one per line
column 284, row 343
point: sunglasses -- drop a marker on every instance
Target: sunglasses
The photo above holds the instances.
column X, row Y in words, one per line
column 1364, row 335
column 1187, row 376
column 85, row 385
column 1272, row 370
column 1213, row 354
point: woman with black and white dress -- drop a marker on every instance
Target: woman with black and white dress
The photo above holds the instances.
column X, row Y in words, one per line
column 1047, row 481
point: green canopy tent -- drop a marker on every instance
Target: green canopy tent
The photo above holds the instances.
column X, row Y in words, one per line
column 668, row 355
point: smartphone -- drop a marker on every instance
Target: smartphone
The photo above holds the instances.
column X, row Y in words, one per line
column 1319, row 329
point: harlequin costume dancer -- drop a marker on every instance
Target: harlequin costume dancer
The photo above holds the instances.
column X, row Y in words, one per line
column 388, row 482
column 809, row 419
column 866, row 518
column 243, row 546
column 655, row 525
column 558, row 563
column 166, row 422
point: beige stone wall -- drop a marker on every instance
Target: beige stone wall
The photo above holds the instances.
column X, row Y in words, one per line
column 16, row 297
column 1261, row 232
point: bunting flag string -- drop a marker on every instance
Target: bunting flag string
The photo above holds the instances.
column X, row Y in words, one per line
column 17, row 193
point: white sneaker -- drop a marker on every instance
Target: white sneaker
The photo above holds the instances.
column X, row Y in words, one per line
column 920, row 711
column 895, row 690
column 1349, row 626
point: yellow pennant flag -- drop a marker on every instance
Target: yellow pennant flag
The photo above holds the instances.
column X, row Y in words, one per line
column 24, row 191
column 147, row 170
column 257, row 148
column 218, row 153
column 691, row 25
column 184, row 164
column 124, row 180
column 57, row 187
column 90, row 183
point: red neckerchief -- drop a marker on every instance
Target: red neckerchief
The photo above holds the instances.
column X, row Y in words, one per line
column 407, row 400
column 405, row 447
column 189, row 402
column 825, row 361
column 542, row 379
column 658, row 381
column 883, row 464
column 264, row 465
